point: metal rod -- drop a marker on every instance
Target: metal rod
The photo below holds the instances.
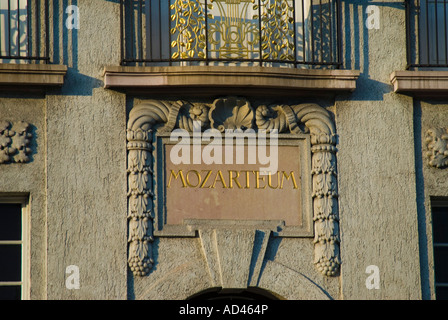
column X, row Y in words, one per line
column 303, row 31
column 260, row 33
column 312, row 31
column 427, row 32
column 321, row 31
column 206, row 33
column 445, row 33
column 330, row 31
column 9, row 27
column 23, row 57
column 121, row 32
column 235, row 60
column 437, row 30
column 149, row 27
column 295, row 31
column 408, row 34
column 47, row 32
column 160, row 29
column 37, row 27
column 1, row 42
column 132, row 19
column 169, row 31
column 140, row 16
column 28, row 27
column 18, row 28
column 417, row 32
column 339, row 32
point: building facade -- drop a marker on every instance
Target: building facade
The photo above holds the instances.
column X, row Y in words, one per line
column 96, row 202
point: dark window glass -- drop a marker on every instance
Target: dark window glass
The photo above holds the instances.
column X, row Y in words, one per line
column 442, row 293
column 10, row 262
column 440, row 224
column 440, row 240
column 10, row 293
column 441, row 264
column 10, row 221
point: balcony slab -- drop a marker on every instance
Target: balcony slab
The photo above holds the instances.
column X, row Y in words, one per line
column 425, row 84
column 30, row 77
column 210, row 80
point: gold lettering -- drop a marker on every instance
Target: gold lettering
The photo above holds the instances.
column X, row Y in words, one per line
column 232, row 178
column 173, row 174
column 261, row 182
column 270, row 181
column 291, row 175
column 247, row 179
column 221, row 178
column 257, row 180
column 206, row 179
column 198, row 175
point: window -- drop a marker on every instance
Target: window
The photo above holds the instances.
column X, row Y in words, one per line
column 440, row 242
column 13, row 248
column 292, row 33
column 23, row 31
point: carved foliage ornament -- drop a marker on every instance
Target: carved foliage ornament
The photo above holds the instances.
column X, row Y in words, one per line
column 14, row 142
column 231, row 113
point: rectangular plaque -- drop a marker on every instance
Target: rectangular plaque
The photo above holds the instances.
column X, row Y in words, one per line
column 237, row 190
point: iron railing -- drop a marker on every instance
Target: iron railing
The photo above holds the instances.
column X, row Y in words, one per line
column 427, row 33
column 296, row 33
column 24, row 31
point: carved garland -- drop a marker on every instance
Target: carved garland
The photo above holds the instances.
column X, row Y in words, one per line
column 231, row 113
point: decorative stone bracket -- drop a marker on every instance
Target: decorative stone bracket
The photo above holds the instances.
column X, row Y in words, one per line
column 14, row 143
column 230, row 113
column 437, row 147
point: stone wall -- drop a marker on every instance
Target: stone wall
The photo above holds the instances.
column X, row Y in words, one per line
column 77, row 181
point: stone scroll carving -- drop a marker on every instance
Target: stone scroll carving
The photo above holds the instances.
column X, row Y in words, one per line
column 437, row 147
column 15, row 141
column 230, row 113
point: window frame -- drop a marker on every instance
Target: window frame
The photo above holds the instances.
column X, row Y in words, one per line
column 23, row 200
column 437, row 202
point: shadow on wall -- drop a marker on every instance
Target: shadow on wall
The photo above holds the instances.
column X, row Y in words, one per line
column 355, row 46
column 65, row 48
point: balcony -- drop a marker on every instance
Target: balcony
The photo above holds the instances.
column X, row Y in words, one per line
column 427, row 50
column 427, row 34
column 25, row 46
column 265, row 45
column 24, row 32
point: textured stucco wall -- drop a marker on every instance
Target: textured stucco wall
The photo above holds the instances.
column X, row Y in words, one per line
column 432, row 182
column 87, row 161
column 77, row 179
column 378, row 209
column 29, row 179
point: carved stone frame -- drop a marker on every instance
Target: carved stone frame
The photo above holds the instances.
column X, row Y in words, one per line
column 154, row 116
column 191, row 226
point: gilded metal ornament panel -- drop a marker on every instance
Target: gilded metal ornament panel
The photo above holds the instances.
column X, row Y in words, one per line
column 233, row 29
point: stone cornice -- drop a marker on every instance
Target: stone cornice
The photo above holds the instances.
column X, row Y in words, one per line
column 215, row 79
column 420, row 83
column 31, row 75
